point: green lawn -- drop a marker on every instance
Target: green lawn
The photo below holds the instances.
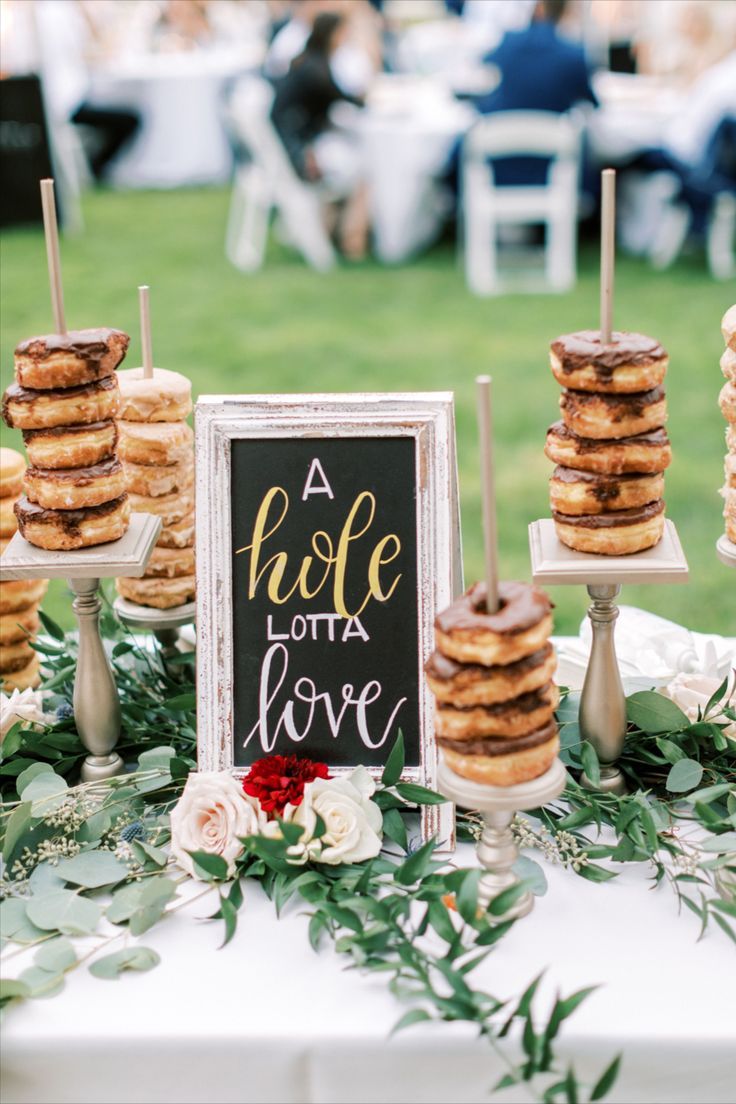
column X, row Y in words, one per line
column 366, row 328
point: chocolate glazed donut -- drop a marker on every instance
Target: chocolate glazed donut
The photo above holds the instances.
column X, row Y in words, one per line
column 581, row 492
column 595, row 415
column 522, row 625
column 28, row 408
column 495, row 761
column 629, row 362
column 70, row 359
column 642, row 453
column 618, row 533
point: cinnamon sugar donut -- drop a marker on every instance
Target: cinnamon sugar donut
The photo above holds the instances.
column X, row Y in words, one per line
column 26, row 677
column 20, row 594
column 643, row 453
column 619, row 533
column 521, row 626
column 72, row 446
column 165, row 397
column 155, row 443
column 158, row 593
column 496, row 761
column 26, row 408
column 8, row 523
column 727, row 401
column 178, row 535
column 581, row 492
column 728, row 327
column 67, row 529
column 170, row 562
column 12, row 466
column 157, row 480
column 14, row 657
column 728, row 365
column 591, row 414
column 170, row 508
column 508, row 719
column 629, row 362
column 75, row 488
column 466, row 684
column 70, row 359
column 19, row 625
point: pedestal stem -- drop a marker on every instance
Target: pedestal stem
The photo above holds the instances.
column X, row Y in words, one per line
column 603, row 703
column 497, row 853
column 96, row 701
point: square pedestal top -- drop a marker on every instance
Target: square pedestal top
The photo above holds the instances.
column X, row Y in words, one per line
column 127, row 556
column 555, row 563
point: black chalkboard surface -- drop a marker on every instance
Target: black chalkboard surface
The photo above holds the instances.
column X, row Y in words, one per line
column 325, row 615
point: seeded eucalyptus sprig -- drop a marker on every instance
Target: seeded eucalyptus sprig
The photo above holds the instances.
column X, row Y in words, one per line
column 680, row 813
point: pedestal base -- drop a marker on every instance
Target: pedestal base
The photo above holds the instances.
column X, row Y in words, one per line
column 95, row 768
column 726, row 551
column 497, row 851
column 612, row 781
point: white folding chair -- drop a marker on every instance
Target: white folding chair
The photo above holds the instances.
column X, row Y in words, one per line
column 268, row 183
column 487, row 207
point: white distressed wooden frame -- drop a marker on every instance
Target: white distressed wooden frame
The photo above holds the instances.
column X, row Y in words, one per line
column 221, row 419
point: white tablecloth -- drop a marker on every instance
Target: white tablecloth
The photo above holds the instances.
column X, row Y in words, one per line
column 267, row 1021
column 182, row 139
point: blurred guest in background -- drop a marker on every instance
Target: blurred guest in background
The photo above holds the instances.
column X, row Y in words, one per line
column 317, row 150
column 356, row 59
column 183, row 25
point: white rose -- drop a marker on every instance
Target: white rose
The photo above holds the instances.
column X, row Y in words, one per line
column 212, row 814
column 693, row 692
column 21, row 705
column 352, row 821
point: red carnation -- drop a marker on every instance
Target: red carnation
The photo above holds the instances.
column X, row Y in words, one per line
column 279, row 780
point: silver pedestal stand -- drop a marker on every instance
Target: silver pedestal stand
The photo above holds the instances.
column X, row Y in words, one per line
column 602, row 702
column 96, row 701
column 164, row 624
column 497, row 851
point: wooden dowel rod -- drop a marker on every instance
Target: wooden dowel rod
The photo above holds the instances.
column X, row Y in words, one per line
column 145, row 310
column 51, row 231
column 608, row 251
column 488, row 491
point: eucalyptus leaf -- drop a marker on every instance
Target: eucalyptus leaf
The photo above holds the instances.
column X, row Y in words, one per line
column 12, row 989
column 64, row 911
column 30, row 773
column 19, row 821
column 684, row 775
column 156, row 758
column 532, row 873
column 47, row 792
column 111, row 966
column 723, row 844
column 124, row 902
column 14, row 922
column 209, row 867
column 56, row 956
column 591, row 765
column 93, row 869
column 654, row 713
column 42, row 983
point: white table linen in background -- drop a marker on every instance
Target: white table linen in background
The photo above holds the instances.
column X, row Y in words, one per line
column 182, row 138
column 267, row 1021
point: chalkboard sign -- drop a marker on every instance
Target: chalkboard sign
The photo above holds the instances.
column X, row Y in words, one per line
column 327, row 538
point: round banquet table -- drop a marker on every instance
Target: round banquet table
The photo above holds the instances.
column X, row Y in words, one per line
column 182, row 138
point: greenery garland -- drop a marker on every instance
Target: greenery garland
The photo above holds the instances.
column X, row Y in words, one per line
column 403, row 913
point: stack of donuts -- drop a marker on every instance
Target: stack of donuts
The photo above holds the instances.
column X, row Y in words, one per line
column 65, row 398
column 18, row 599
column 491, row 674
column 158, row 458
column 727, row 403
column 610, row 448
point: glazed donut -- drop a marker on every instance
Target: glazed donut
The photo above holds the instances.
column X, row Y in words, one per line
column 24, row 408
column 467, row 684
column 731, row 438
column 8, row 523
column 619, row 533
column 158, row 443
column 730, row 469
column 75, row 488
column 19, row 625
column 591, row 414
column 509, row 719
column 522, row 625
column 170, row 562
column 644, row 453
column 12, row 466
column 154, row 480
column 581, row 492
column 178, row 535
column 727, row 402
column 496, row 761
column 159, row 593
column 729, row 495
column 70, row 359
column 22, row 679
column 77, row 446
column 728, row 365
column 170, row 508
column 165, row 397
column 13, row 657
column 728, row 327
column 66, row 529
column 630, row 362
column 20, row 594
